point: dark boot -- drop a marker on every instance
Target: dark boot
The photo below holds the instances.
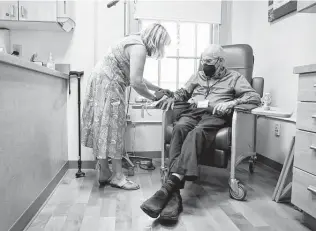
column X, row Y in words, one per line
column 155, row 204
column 173, row 208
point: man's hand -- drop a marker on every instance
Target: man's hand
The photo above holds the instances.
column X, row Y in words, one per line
column 193, row 103
column 224, row 108
column 167, row 104
column 166, row 92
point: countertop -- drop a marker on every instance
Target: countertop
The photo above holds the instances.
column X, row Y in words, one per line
column 18, row 62
column 305, row 69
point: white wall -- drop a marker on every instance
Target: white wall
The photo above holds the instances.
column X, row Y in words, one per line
column 278, row 47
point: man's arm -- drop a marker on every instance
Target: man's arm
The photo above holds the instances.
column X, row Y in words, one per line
column 244, row 93
column 185, row 93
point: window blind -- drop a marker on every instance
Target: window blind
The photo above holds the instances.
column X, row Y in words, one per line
column 208, row 11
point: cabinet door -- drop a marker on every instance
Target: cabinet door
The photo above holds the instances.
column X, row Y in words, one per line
column 65, row 9
column 306, row 6
column 38, row 11
column 8, row 10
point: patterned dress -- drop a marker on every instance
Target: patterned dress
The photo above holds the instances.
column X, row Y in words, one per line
column 104, row 117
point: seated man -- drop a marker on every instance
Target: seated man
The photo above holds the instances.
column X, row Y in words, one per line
column 212, row 93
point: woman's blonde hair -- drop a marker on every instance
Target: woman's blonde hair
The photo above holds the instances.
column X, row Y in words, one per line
column 155, row 38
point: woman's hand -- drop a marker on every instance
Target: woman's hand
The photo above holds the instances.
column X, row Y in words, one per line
column 167, row 104
column 166, row 92
column 163, row 92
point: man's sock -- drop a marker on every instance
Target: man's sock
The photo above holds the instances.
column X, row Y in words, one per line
column 176, row 182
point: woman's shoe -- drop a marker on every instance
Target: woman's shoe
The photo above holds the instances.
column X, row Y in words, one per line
column 124, row 183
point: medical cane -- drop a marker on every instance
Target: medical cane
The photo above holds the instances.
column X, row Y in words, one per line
column 78, row 75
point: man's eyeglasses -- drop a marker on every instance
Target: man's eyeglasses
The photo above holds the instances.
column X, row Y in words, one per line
column 210, row 61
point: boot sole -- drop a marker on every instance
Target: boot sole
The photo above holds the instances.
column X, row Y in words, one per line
column 172, row 218
column 149, row 212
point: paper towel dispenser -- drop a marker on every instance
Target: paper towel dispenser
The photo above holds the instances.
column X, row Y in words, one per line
column 67, row 24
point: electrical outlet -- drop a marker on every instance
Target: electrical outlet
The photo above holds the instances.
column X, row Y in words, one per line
column 17, row 48
column 277, row 129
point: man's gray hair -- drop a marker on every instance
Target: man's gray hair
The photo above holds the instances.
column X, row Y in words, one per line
column 214, row 51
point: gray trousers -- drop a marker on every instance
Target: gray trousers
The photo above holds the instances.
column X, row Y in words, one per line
column 193, row 134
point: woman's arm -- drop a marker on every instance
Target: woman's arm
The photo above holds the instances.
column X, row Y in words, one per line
column 151, row 86
column 137, row 55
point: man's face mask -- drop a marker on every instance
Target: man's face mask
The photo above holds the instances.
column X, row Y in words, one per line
column 209, row 67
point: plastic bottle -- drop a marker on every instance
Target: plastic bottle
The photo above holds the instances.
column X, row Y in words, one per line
column 50, row 62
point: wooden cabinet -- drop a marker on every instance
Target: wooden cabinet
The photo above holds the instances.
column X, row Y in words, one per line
column 304, row 173
column 66, row 9
column 304, row 6
column 38, row 11
column 9, row 10
column 37, row 15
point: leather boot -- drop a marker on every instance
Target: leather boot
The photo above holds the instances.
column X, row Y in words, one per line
column 155, row 204
column 173, row 208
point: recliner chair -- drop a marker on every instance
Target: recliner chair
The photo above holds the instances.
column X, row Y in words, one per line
column 236, row 141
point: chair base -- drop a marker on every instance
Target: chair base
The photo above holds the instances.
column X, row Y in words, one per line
column 237, row 190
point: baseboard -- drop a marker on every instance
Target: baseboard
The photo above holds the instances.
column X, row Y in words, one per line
column 85, row 164
column 32, row 210
column 90, row 164
column 309, row 221
column 270, row 163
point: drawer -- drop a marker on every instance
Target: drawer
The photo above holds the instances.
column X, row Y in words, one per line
column 304, row 191
column 306, row 116
column 305, row 151
column 307, row 87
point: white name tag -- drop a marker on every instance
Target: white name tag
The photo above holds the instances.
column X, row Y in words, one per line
column 202, row 104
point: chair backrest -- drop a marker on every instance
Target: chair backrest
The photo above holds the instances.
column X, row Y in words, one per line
column 239, row 57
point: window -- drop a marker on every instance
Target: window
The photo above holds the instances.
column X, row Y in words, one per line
column 182, row 59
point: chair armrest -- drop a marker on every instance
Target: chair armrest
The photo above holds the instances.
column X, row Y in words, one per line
column 167, row 118
column 245, row 107
column 170, row 116
column 223, row 139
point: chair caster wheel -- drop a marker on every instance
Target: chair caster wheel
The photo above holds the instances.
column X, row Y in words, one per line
column 240, row 194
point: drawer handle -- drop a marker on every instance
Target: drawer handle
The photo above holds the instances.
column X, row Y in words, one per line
column 312, row 189
column 315, row 85
column 312, row 147
column 314, row 116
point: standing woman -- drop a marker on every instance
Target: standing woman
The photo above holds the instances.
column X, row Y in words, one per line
column 104, row 116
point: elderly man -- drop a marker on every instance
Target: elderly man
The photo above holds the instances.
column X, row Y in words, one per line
column 212, row 93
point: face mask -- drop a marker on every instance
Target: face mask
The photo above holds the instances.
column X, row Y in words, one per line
column 209, row 70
